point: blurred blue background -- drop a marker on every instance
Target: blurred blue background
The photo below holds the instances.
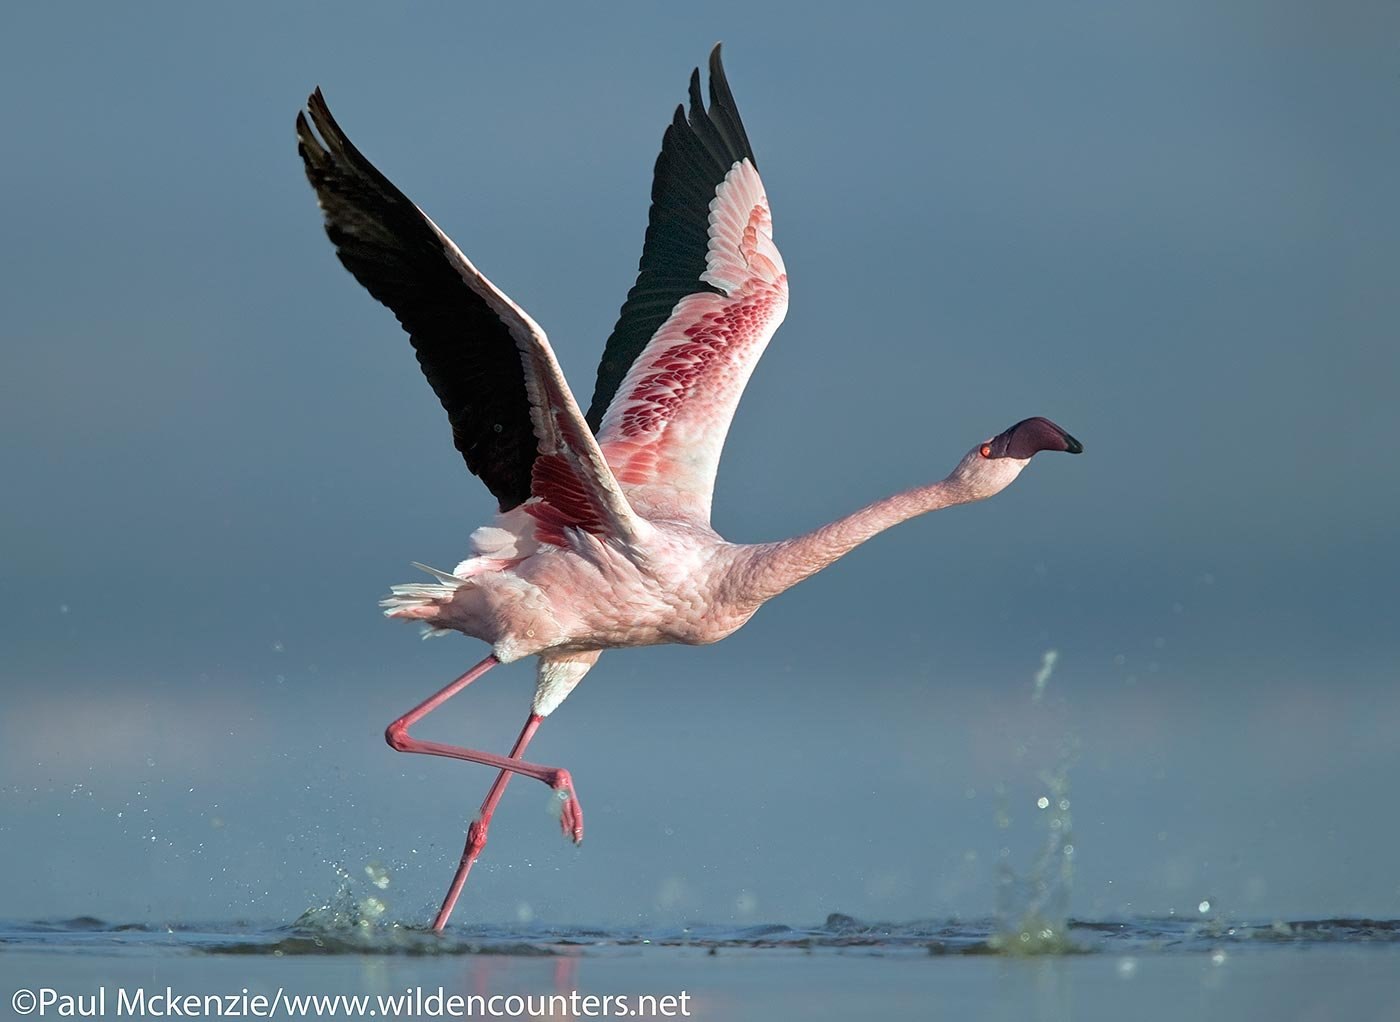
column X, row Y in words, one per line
column 1171, row 228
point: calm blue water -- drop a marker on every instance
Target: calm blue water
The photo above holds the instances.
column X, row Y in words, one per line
column 842, row 968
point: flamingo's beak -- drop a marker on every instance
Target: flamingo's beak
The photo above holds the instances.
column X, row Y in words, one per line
column 1031, row 436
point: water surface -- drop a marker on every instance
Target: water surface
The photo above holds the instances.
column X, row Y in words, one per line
column 839, row 969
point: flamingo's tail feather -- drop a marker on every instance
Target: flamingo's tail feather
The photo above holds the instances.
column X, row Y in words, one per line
column 421, row 601
column 445, row 577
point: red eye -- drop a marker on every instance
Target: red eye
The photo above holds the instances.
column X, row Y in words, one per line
column 986, row 451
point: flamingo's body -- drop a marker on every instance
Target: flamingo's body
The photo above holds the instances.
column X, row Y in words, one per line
column 603, row 538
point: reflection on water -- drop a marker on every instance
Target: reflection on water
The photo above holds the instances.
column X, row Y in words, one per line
column 844, row 968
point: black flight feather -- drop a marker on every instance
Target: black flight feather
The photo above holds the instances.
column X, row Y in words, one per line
column 696, row 154
column 466, row 351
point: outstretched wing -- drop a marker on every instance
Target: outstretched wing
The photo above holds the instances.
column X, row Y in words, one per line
column 710, row 292
column 513, row 416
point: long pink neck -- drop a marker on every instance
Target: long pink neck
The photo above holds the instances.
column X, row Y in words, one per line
column 768, row 569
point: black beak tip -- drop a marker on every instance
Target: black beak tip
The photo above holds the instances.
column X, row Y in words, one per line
column 1072, row 445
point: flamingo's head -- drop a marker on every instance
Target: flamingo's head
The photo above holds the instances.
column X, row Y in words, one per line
column 992, row 465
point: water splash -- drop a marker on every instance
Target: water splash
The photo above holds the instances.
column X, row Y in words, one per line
column 352, row 908
column 1033, row 910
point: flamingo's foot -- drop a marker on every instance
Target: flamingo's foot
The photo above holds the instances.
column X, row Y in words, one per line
column 570, row 812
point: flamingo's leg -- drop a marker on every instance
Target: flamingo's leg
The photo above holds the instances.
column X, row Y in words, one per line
column 570, row 817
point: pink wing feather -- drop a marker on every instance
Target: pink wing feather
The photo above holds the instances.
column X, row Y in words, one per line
column 665, row 428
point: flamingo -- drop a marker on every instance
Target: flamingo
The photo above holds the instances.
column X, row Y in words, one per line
column 603, row 536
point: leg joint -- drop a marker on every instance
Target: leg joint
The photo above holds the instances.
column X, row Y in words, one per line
column 396, row 734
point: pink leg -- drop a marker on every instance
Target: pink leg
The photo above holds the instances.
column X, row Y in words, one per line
column 476, row 833
column 571, row 816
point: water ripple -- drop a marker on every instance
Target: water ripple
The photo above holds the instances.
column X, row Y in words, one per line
column 313, row 934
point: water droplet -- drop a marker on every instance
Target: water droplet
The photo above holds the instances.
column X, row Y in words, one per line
column 1204, row 906
column 1042, row 676
column 1042, row 802
column 1217, row 957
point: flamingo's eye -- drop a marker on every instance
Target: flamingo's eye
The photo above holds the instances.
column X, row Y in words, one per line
column 986, row 450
